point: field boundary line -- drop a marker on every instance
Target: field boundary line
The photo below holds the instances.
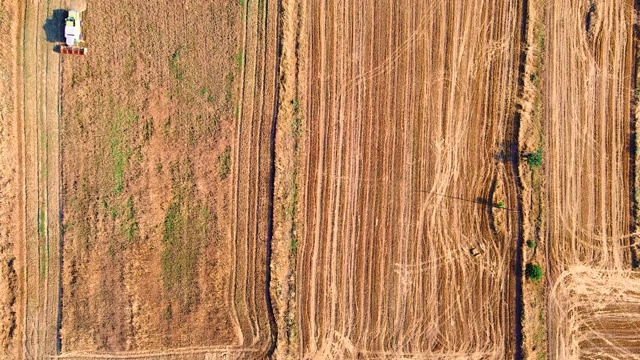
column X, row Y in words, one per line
column 272, row 170
column 21, row 135
column 152, row 353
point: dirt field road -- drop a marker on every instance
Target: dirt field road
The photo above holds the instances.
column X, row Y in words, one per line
column 405, row 179
column 40, row 122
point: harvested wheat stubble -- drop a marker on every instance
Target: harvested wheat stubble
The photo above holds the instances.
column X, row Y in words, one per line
column 407, row 105
column 587, row 114
column 596, row 313
column 11, row 202
column 587, row 101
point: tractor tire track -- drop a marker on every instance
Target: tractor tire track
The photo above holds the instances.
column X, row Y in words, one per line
column 41, row 88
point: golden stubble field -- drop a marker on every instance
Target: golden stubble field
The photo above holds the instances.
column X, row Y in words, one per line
column 407, row 108
column 588, row 96
column 316, row 179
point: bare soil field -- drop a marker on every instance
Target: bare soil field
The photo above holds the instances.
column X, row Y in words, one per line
column 406, row 178
column 165, row 175
column 135, row 181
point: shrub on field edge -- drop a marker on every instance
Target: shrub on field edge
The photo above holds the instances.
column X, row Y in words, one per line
column 535, row 158
column 533, row 272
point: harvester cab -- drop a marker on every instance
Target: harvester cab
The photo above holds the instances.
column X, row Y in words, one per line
column 74, row 41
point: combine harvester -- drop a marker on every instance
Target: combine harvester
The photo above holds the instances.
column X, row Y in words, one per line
column 73, row 34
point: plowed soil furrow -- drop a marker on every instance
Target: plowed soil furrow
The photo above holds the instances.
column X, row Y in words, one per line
column 403, row 173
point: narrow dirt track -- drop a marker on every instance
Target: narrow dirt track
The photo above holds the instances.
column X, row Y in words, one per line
column 41, row 86
column 405, row 138
column 589, row 63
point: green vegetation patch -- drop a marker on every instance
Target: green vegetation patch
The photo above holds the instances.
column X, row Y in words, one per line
column 120, row 151
column 174, row 64
column 535, row 158
column 224, row 163
column 185, row 230
column 239, row 60
column 129, row 226
column 229, row 79
column 533, row 272
column 41, row 223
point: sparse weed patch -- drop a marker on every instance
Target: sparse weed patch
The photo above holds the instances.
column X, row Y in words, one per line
column 224, row 163
column 228, row 87
column 184, row 234
column 41, row 222
column 120, row 150
column 174, row 64
column 130, row 226
column 239, row 60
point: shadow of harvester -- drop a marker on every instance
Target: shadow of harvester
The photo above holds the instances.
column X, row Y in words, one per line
column 54, row 26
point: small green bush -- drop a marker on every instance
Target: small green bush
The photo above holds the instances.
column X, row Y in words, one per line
column 531, row 244
column 500, row 205
column 533, row 272
column 535, row 158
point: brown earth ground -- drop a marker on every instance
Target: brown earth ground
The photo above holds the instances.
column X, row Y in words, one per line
column 165, row 180
column 405, row 135
column 157, row 261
